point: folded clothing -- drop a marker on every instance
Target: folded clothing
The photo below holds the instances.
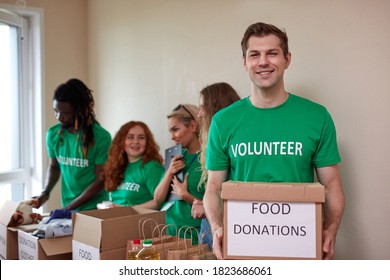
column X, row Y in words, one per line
column 60, row 214
column 58, row 224
column 55, row 228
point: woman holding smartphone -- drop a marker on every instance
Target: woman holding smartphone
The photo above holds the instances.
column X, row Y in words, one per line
column 183, row 125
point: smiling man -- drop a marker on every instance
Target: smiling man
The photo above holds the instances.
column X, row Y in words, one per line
column 272, row 136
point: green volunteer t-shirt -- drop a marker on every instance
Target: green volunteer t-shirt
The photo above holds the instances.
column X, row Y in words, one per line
column 138, row 184
column 179, row 211
column 281, row 144
column 78, row 172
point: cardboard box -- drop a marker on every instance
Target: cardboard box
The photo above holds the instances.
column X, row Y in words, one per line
column 32, row 248
column 9, row 235
column 103, row 234
column 272, row 220
column 18, row 243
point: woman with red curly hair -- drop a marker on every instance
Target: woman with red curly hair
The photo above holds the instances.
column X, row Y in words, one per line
column 134, row 166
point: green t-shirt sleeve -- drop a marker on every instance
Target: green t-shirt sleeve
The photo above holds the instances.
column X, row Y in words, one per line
column 217, row 155
column 50, row 134
column 327, row 152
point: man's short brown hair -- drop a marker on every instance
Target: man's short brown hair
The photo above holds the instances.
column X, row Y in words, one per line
column 261, row 29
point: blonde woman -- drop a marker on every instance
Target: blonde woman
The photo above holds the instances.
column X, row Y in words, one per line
column 183, row 125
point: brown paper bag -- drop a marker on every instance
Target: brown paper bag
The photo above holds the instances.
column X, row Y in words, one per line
column 157, row 234
column 174, row 243
column 162, row 243
column 192, row 252
column 142, row 223
column 168, row 242
column 187, row 251
column 158, row 243
column 205, row 254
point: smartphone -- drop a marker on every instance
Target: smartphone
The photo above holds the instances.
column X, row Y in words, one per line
column 169, row 154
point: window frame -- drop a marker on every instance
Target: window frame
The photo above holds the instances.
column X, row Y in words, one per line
column 31, row 173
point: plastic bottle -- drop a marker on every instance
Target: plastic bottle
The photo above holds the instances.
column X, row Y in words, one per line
column 132, row 253
column 148, row 252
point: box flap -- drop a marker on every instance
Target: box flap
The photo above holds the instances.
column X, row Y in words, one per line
column 7, row 211
column 82, row 232
column 297, row 192
column 110, row 213
column 102, row 221
column 108, row 229
column 140, row 210
column 124, row 222
column 29, row 228
column 56, row 246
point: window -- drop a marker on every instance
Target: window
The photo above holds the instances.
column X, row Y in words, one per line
column 20, row 105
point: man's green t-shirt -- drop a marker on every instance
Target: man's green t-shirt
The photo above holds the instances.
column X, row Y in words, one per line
column 138, row 184
column 281, row 144
column 77, row 171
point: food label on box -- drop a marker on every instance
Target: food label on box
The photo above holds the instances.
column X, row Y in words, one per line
column 81, row 251
column 271, row 229
column 3, row 242
column 28, row 246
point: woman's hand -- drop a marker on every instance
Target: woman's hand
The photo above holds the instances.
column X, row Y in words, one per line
column 180, row 189
column 177, row 164
column 198, row 209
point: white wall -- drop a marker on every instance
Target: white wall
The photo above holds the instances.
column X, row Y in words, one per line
column 145, row 57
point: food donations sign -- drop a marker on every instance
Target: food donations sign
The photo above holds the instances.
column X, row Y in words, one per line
column 287, row 227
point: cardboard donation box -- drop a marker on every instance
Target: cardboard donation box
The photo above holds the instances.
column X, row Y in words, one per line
column 272, row 220
column 103, row 234
column 9, row 235
column 32, row 248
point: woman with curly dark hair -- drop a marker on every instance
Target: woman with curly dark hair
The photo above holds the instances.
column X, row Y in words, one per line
column 134, row 166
